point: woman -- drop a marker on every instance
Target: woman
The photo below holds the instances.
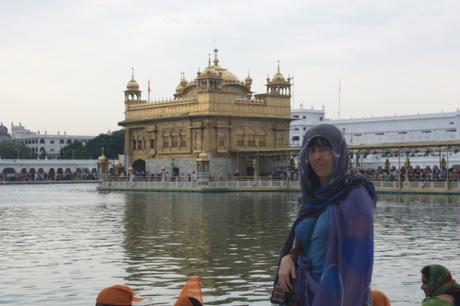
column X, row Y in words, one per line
column 328, row 256
column 439, row 287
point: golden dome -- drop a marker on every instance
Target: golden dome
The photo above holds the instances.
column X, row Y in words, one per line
column 227, row 76
column 216, row 71
column 202, row 156
column 102, row 158
column 118, row 164
column 132, row 85
column 182, row 84
column 210, row 71
column 278, row 77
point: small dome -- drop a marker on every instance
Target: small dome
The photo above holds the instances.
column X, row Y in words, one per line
column 102, row 159
column 203, row 156
column 181, row 86
column 132, row 85
column 248, row 80
column 3, row 129
column 278, row 77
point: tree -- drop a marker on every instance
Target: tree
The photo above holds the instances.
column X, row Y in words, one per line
column 113, row 145
column 13, row 149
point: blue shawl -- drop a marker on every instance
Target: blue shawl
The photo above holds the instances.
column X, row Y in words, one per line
column 350, row 198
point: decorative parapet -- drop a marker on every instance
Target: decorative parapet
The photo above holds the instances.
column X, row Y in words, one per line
column 162, row 108
column 247, row 100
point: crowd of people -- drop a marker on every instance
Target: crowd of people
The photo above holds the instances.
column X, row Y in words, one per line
column 417, row 173
column 25, row 176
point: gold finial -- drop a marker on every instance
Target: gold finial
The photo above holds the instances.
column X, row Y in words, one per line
column 216, row 61
column 132, row 73
column 209, row 59
column 278, row 66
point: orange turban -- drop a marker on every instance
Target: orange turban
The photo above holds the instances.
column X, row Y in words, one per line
column 117, row 295
column 379, row 298
column 191, row 289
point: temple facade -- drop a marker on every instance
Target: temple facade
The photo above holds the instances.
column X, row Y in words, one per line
column 214, row 116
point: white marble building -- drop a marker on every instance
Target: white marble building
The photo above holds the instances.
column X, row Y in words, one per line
column 44, row 142
column 390, row 129
column 378, row 130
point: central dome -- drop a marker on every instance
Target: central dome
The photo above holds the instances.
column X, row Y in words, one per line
column 216, row 70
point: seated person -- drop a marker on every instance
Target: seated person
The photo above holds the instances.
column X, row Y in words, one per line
column 439, row 287
column 191, row 294
column 117, row 295
column 379, row 298
column 187, row 301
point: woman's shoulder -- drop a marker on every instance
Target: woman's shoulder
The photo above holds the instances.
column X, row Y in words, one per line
column 440, row 300
column 360, row 194
column 359, row 201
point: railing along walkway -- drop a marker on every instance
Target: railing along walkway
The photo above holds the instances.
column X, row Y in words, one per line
column 223, row 185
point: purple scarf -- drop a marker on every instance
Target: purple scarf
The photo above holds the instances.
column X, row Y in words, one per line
column 347, row 271
column 349, row 199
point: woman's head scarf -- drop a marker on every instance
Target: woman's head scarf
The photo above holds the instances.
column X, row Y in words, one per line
column 440, row 280
column 315, row 196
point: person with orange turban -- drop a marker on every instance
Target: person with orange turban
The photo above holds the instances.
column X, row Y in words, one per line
column 191, row 294
column 118, row 295
column 379, row 298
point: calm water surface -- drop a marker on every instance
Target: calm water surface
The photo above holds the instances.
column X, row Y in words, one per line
column 60, row 244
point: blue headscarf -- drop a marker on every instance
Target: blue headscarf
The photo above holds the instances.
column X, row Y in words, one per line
column 314, row 197
column 349, row 256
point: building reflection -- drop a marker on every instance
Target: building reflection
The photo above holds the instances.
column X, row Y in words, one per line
column 231, row 240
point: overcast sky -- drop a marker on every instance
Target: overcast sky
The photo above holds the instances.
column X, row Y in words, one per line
column 64, row 64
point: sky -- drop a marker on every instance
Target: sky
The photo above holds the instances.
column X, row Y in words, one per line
column 65, row 64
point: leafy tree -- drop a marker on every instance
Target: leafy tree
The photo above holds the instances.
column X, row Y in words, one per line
column 113, row 145
column 74, row 151
column 13, row 149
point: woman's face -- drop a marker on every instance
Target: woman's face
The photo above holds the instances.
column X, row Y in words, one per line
column 322, row 161
column 424, row 285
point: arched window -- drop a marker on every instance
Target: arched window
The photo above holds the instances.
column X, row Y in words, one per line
column 251, row 137
column 166, row 139
column 221, row 139
column 261, row 135
column 183, row 143
column 239, row 138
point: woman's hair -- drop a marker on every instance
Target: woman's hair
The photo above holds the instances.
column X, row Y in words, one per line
column 426, row 272
column 318, row 142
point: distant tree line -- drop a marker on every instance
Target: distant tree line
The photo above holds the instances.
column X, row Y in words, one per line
column 113, row 145
column 12, row 149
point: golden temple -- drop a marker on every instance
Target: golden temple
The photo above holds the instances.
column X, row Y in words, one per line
column 214, row 114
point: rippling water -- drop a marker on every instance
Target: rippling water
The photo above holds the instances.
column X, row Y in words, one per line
column 60, row 244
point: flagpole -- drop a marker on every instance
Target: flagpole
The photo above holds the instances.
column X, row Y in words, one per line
column 149, row 91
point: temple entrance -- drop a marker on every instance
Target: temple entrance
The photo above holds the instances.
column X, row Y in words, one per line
column 175, row 171
column 139, row 167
